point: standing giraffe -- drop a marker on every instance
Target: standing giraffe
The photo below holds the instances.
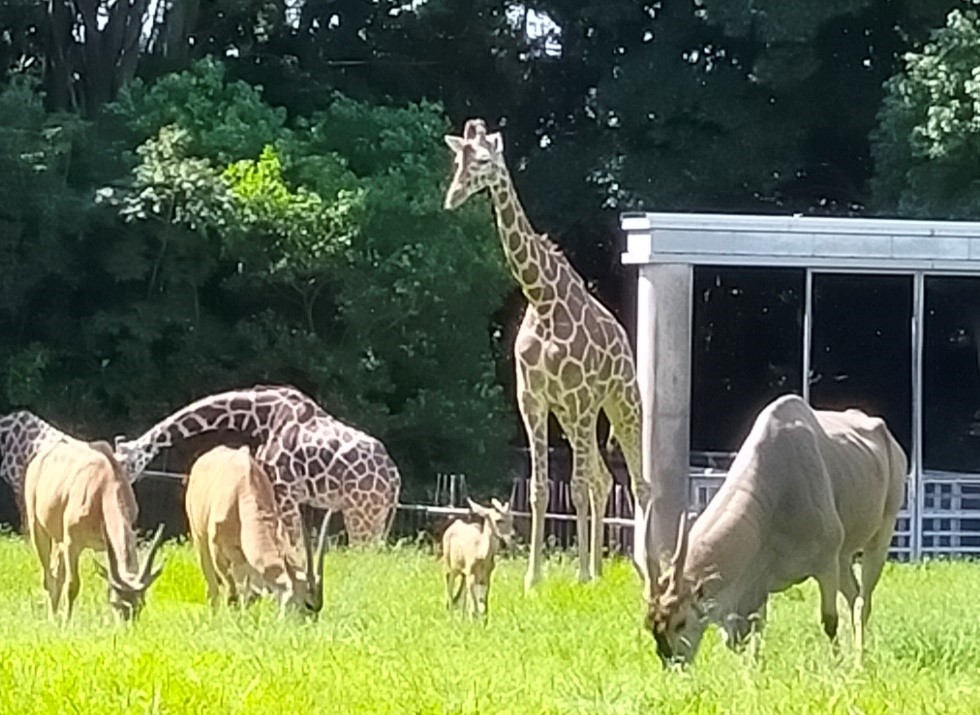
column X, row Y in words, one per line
column 573, row 358
column 22, row 435
column 311, row 457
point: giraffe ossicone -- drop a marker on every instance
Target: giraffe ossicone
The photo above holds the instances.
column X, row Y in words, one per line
column 310, row 456
column 573, row 358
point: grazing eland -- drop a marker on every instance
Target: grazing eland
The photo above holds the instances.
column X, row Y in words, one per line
column 76, row 497
column 807, row 492
column 240, row 535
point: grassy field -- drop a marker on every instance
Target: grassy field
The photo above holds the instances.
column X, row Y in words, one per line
column 385, row 645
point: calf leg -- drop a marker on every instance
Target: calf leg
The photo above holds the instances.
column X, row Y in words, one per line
column 471, row 588
column 453, row 594
column 483, row 598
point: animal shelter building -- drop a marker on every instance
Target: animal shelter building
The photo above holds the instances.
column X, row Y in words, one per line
column 879, row 314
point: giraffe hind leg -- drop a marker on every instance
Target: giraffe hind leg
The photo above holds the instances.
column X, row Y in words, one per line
column 599, row 493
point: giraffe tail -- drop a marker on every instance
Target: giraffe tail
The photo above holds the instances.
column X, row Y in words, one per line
column 388, row 523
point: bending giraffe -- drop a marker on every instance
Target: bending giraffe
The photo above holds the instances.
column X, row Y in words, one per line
column 573, row 358
column 311, row 457
column 22, row 435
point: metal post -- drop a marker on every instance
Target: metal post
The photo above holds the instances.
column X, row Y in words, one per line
column 807, row 332
column 917, row 502
column 663, row 356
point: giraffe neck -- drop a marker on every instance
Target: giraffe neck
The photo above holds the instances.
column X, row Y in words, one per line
column 22, row 435
column 251, row 412
column 532, row 258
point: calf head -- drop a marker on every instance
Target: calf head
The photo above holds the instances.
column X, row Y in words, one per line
column 499, row 518
column 127, row 594
column 675, row 611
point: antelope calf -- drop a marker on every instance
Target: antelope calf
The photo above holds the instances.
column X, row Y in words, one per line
column 76, row 497
column 240, row 536
column 469, row 553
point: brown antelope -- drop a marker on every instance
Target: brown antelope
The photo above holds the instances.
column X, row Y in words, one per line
column 241, row 537
column 77, row 497
column 808, row 491
column 469, row 553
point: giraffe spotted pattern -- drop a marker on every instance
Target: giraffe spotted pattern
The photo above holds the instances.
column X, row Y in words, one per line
column 22, row 435
column 311, row 457
column 573, row 358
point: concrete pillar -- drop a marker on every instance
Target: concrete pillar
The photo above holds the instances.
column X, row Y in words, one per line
column 663, row 357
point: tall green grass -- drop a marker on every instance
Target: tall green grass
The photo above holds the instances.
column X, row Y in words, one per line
column 385, row 644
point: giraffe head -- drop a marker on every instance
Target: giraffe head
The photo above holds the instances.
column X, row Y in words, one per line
column 132, row 458
column 478, row 162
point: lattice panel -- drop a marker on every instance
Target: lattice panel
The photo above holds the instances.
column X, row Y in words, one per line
column 950, row 516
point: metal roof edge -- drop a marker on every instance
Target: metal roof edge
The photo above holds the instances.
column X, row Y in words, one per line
column 796, row 223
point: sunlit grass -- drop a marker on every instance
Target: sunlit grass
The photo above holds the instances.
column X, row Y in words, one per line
column 385, row 644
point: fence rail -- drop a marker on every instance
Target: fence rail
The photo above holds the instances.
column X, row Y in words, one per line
column 940, row 515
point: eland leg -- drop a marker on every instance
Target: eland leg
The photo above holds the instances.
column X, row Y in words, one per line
column 849, row 587
column 57, row 578
column 872, row 563
column 204, row 555
column 70, row 553
column 42, row 544
column 829, row 583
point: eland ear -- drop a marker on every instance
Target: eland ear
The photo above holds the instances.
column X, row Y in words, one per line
column 454, row 143
column 499, row 506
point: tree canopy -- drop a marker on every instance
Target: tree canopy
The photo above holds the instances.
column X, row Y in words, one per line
column 203, row 195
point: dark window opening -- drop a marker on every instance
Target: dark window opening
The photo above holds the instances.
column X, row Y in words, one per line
column 747, row 349
column 951, row 375
column 861, row 347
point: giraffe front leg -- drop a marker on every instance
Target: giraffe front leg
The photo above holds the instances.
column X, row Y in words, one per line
column 580, row 500
column 584, row 481
column 21, row 503
column 534, row 413
column 288, row 500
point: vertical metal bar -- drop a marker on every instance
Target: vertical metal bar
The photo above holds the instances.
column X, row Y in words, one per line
column 807, row 332
column 918, row 329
